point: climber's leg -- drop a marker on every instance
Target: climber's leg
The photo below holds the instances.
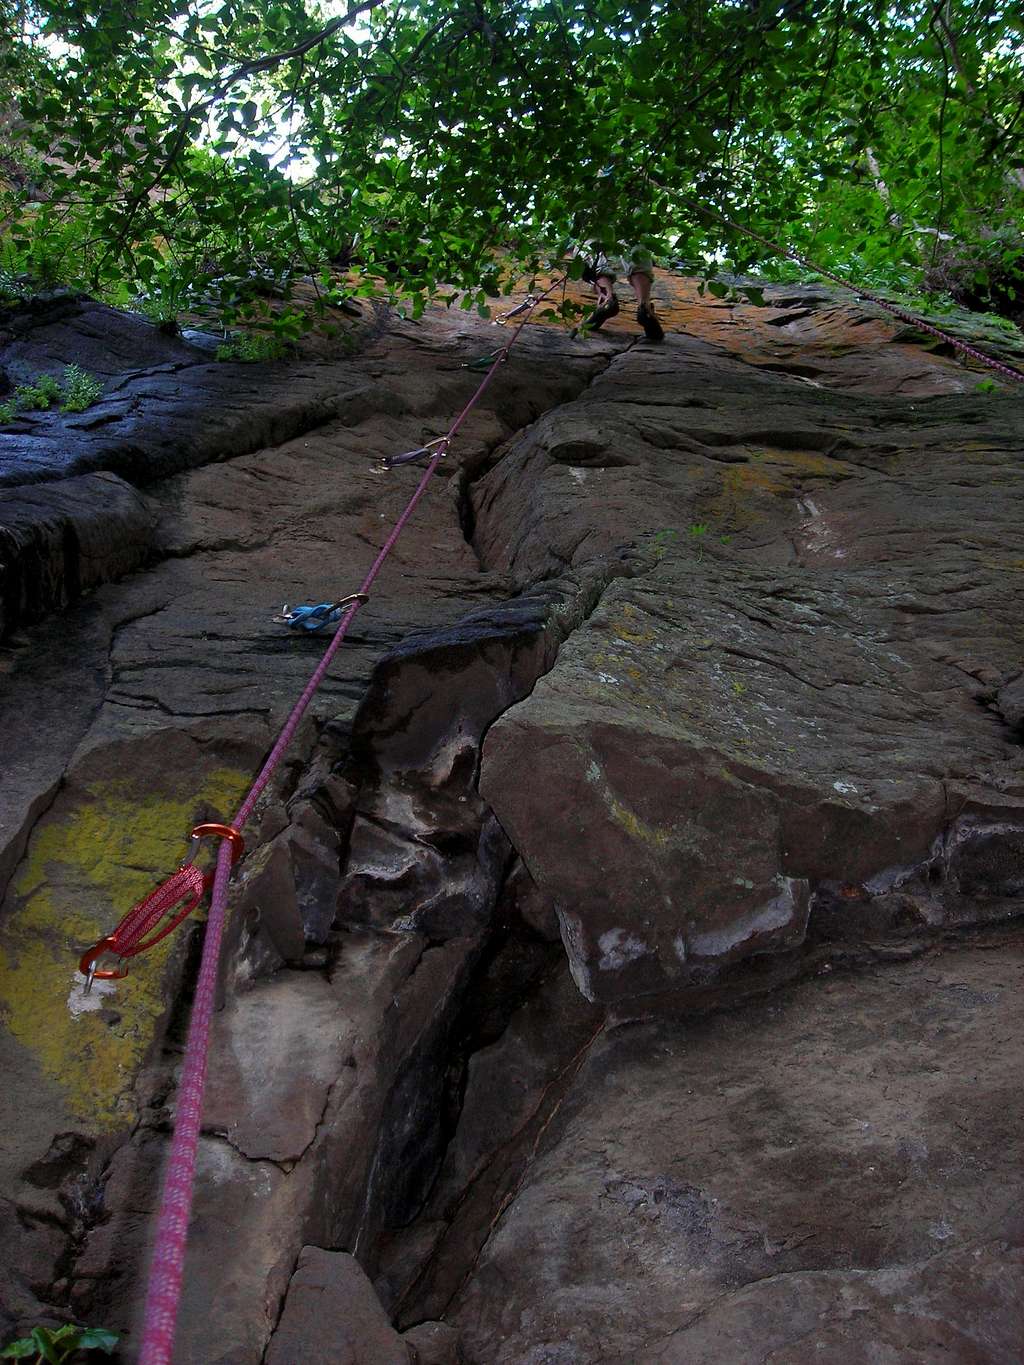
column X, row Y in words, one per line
column 640, row 270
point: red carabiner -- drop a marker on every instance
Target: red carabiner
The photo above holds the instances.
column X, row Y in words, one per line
column 221, row 832
column 91, row 972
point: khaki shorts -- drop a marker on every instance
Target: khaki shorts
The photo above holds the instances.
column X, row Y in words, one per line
column 637, row 261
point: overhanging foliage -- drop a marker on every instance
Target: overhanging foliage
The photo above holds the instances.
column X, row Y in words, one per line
column 215, row 143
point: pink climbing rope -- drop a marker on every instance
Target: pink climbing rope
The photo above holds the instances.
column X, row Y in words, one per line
column 1007, row 370
column 167, row 1265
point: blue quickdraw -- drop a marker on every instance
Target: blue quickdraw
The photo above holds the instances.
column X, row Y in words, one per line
column 411, row 456
column 315, row 618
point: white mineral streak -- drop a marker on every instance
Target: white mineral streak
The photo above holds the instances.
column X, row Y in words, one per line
column 766, row 919
column 571, row 928
column 618, row 947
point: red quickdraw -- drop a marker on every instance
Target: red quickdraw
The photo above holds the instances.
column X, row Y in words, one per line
column 159, row 913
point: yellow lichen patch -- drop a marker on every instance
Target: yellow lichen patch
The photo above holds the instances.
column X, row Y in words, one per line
column 623, row 816
column 808, row 462
column 634, row 826
column 742, row 486
column 85, row 866
column 628, row 625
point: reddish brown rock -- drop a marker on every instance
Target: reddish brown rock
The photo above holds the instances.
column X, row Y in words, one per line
column 766, row 573
column 780, row 706
column 332, row 1314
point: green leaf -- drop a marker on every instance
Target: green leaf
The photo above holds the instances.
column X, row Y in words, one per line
column 69, row 1334
column 19, row 1350
column 98, row 1339
column 509, row 131
column 43, row 1342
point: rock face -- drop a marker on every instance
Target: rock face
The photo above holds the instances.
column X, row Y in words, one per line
column 332, row 1313
column 793, row 716
column 799, row 1181
column 698, row 672
column 148, row 706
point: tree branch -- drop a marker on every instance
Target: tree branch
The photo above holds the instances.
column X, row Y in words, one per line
column 201, row 107
column 273, row 59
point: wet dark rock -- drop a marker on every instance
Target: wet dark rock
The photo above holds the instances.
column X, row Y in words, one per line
column 57, row 543
column 166, row 406
column 41, row 336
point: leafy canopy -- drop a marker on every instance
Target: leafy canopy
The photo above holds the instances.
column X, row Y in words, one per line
column 219, row 142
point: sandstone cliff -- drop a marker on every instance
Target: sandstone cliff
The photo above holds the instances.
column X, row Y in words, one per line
column 624, row 965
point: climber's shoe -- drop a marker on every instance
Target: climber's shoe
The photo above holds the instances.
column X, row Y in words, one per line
column 652, row 327
column 601, row 315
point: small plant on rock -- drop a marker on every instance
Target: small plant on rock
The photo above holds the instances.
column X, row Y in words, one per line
column 11, row 289
column 698, row 531
column 45, row 1347
column 81, row 389
column 251, row 347
column 662, row 540
column 38, row 396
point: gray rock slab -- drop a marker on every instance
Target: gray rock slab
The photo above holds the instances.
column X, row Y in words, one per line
column 832, row 1174
column 963, row 1305
column 266, row 1107
column 233, row 1197
column 435, row 1343
column 332, row 1313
